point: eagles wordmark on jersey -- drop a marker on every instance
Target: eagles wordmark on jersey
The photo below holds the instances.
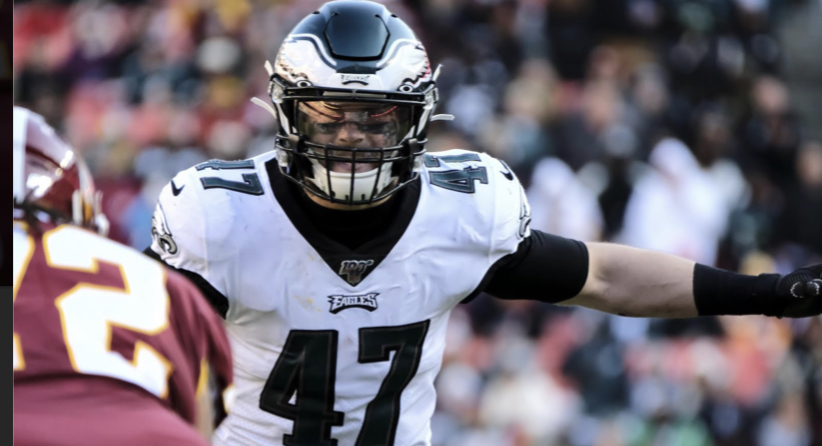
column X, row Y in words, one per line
column 332, row 343
column 366, row 301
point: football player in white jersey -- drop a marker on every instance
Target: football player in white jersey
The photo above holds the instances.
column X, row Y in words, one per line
column 337, row 257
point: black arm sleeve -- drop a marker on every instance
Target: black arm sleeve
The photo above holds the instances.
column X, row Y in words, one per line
column 214, row 297
column 719, row 292
column 545, row 267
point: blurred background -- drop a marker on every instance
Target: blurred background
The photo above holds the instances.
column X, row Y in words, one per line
column 686, row 126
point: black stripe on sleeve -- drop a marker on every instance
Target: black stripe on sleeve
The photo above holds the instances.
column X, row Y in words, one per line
column 546, row 267
column 214, row 297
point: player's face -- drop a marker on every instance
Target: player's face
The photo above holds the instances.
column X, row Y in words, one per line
column 357, row 125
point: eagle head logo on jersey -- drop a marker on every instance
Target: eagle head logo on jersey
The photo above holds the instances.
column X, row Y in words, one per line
column 160, row 232
column 353, row 270
column 364, row 301
column 524, row 215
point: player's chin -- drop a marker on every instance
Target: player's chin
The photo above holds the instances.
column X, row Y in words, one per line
column 341, row 167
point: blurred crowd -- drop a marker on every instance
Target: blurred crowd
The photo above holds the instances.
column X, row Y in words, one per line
column 686, row 126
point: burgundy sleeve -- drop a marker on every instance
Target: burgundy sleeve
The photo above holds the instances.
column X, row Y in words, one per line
column 201, row 335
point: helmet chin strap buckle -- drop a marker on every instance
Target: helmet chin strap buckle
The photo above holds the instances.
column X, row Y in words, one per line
column 440, row 117
column 411, row 145
column 297, row 142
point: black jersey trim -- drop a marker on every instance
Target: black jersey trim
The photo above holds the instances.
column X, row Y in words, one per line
column 217, row 299
column 370, row 253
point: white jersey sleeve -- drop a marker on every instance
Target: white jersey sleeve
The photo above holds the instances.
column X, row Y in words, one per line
column 182, row 232
column 486, row 197
column 512, row 214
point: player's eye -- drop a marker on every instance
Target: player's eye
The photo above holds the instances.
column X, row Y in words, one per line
column 328, row 127
column 379, row 128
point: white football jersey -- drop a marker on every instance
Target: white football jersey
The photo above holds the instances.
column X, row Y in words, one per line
column 333, row 345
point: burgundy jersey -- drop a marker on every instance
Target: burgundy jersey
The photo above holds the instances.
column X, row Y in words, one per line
column 109, row 346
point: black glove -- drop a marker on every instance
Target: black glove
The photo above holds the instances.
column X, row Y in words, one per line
column 801, row 292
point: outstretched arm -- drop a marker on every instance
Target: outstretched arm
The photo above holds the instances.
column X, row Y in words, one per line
column 628, row 281
column 636, row 282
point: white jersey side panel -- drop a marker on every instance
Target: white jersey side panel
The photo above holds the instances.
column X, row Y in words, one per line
column 278, row 285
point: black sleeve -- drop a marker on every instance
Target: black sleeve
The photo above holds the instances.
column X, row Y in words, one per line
column 214, row 297
column 545, row 267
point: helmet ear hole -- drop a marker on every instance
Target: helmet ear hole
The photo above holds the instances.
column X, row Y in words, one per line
column 303, row 83
column 405, row 88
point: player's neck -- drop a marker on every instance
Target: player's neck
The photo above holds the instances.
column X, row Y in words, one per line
column 344, row 207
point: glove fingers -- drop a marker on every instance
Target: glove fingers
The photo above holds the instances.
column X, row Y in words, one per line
column 802, row 290
column 804, row 308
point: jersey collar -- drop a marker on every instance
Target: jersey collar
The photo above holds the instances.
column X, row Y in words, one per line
column 352, row 265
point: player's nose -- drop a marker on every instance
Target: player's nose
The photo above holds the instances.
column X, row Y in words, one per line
column 350, row 134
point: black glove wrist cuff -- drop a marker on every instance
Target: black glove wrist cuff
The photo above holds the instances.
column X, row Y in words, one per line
column 718, row 292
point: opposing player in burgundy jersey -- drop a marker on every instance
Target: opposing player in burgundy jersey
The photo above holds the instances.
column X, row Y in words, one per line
column 109, row 347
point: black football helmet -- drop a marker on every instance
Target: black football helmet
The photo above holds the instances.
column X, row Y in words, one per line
column 353, row 92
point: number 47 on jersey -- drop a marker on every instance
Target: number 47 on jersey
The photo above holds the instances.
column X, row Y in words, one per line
column 307, row 366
